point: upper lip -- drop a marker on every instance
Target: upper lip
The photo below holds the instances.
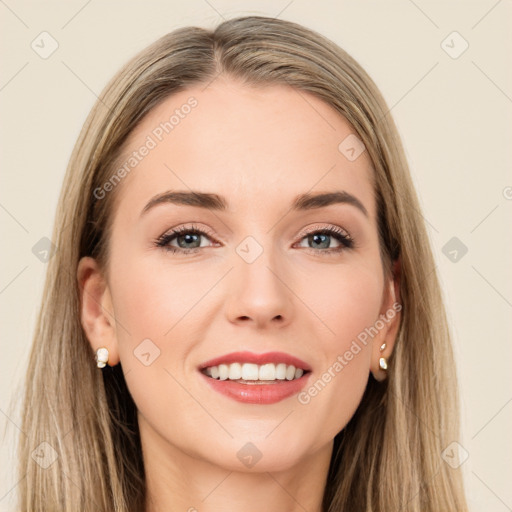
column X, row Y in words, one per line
column 251, row 357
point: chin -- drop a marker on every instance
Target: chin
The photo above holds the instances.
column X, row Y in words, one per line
column 262, row 454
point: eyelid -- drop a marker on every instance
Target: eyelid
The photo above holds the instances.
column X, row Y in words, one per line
column 209, row 232
column 186, row 228
column 320, row 227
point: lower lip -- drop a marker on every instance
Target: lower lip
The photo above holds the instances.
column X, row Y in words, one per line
column 258, row 393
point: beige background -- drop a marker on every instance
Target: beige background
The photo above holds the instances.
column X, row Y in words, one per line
column 454, row 115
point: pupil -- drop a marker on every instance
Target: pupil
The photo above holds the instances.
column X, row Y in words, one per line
column 188, row 239
column 315, row 239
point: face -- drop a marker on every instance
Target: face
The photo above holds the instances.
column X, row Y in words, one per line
column 282, row 282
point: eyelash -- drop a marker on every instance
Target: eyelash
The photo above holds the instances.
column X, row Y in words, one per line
column 346, row 241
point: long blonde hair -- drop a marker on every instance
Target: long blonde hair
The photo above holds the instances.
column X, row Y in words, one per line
column 388, row 457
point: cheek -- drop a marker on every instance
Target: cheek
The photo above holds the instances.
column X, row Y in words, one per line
column 154, row 306
column 160, row 316
column 347, row 300
column 348, row 308
column 151, row 299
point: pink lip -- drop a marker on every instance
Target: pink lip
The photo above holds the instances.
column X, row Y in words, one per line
column 251, row 357
column 257, row 393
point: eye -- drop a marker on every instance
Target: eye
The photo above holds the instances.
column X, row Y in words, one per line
column 320, row 240
column 188, row 239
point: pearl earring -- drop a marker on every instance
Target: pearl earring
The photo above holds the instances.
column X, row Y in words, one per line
column 101, row 357
column 383, row 363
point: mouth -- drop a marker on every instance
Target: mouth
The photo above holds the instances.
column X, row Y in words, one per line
column 251, row 373
column 256, row 378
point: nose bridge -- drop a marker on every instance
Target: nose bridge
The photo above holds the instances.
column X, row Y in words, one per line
column 258, row 284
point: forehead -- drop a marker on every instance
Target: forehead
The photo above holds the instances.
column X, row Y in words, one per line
column 245, row 143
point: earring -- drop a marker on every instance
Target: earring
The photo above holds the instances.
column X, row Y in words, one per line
column 101, row 357
column 383, row 363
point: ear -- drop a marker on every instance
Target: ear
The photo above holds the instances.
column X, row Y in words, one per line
column 97, row 313
column 389, row 317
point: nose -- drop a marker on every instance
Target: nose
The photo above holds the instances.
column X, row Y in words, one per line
column 259, row 294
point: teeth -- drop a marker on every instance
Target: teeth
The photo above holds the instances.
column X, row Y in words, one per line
column 249, row 371
column 223, row 371
column 254, row 372
column 235, row 371
column 281, row 371
column 267, row 372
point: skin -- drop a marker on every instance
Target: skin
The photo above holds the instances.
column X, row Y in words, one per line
column 259, row 148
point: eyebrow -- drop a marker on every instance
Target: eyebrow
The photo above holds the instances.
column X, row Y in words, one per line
column 302, row 202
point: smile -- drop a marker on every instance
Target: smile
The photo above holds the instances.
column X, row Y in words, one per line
column 256, row 378
column 250, row 372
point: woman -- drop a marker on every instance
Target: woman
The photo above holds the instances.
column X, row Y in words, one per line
column 242, row 312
